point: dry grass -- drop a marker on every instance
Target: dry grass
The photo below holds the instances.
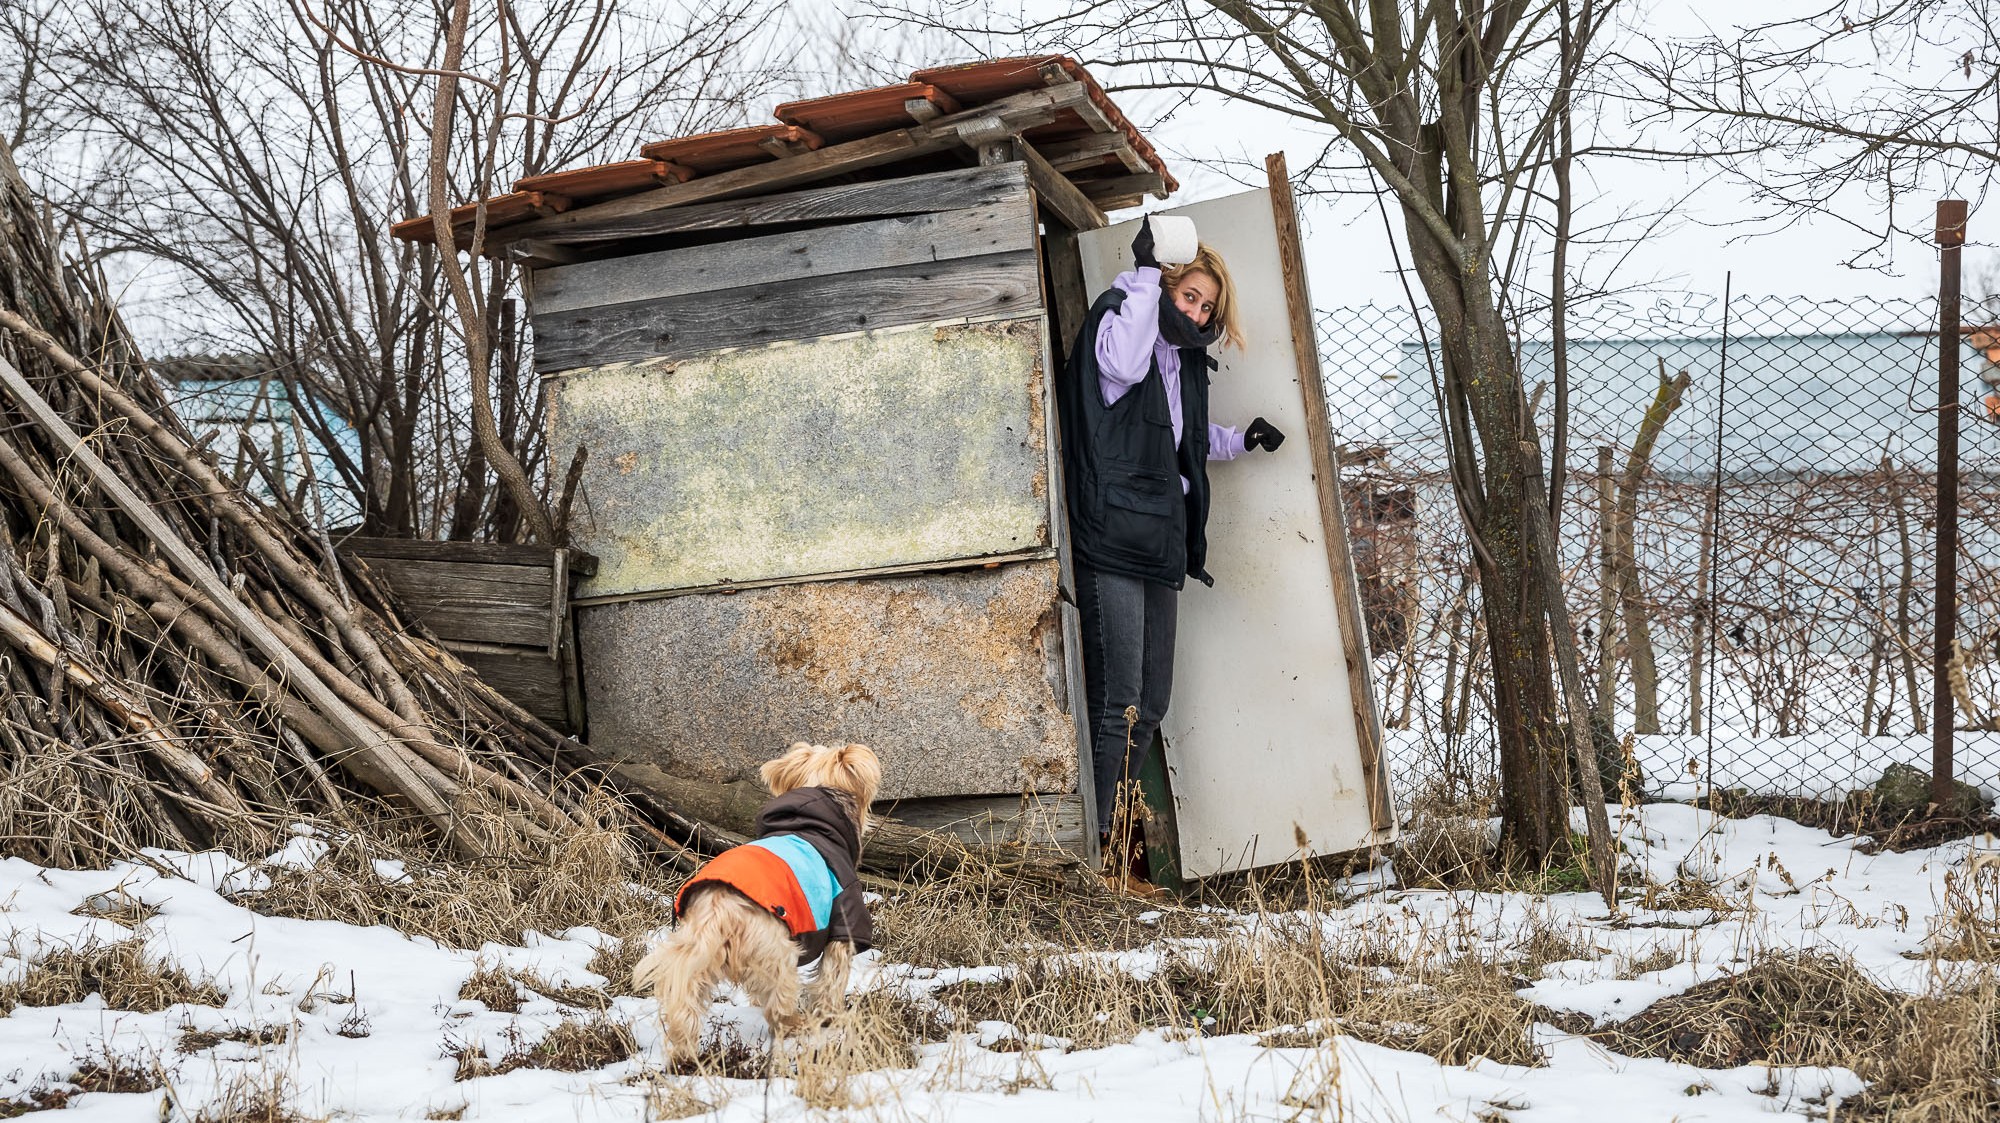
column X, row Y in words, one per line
column 41, row 1097
column 256, row 1097
column 1447, row 840
column 571, row 1045
column 118, row 907
column 874, row 1032
column 1445, row 848
column 1455, row 1013
column 1794, row 1009
column 978, row 915
column 588, row 877
column 196, row 1040
column 1928, row 1058
column 614, row 961
column 122, row 973
column 101, row 1071
column 1687, row 893
column 1545, row 939
column 1968, row 928
column 493, row 986
column 1283, row 977
column 725, row 1058
column 674, row 1100
column 106, row 1071
column 1942, row 1068
column 1657, row 958
column 501, row 989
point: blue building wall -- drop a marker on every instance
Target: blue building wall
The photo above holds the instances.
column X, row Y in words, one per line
column 1792, row 403
column 259, row 411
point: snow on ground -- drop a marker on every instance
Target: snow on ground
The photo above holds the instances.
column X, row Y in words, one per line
column 373, row 1017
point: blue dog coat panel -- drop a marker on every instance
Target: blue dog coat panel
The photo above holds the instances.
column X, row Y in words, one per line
column 809, row 870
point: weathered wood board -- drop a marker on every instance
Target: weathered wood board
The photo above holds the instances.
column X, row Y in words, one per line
column 957, row 680
column 474, row 601
column 989, row 285
column 794, row 255
column 1002, row 822
column 888, row 448
column 530, row 680
column 1264, row 735
column 498, row 608
column 917, row 194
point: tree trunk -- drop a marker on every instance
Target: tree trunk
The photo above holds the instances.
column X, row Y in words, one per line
column 1632, row 598
column 478, row 340
column 1485, row 414
column 1905, row 585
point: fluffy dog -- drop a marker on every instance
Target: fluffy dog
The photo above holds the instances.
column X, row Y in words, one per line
column 760, row 911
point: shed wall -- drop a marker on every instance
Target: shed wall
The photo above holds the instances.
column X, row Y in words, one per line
column 820, row 489
column 955, row 679
column 887, row 449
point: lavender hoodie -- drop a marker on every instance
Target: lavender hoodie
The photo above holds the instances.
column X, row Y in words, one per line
column 1128, row 343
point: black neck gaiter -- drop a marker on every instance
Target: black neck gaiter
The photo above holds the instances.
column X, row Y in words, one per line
column 1178, row 330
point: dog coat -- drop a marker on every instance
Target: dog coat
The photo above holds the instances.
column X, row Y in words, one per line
column 801, row 869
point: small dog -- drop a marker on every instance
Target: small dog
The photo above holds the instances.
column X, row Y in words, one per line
column 758, row 912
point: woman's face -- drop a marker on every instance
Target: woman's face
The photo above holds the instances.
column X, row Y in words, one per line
column 1195, row 295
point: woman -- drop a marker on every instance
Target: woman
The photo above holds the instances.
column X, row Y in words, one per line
column 1136, row 442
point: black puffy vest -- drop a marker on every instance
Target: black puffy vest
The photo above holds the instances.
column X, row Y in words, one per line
column 1122, row 469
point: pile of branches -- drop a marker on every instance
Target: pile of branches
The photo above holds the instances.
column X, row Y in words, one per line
column 184, row 665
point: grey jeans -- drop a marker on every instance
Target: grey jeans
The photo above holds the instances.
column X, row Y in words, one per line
column 1128, row 660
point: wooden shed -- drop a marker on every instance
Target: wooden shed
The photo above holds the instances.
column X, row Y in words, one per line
column 811, row 362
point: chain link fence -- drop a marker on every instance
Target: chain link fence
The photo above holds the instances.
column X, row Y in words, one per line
column 1747, row 534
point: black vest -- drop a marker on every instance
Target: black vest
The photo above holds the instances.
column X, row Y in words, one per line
column 1122, row 469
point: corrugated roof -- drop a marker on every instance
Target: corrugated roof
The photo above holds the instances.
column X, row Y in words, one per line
column 1094, row 143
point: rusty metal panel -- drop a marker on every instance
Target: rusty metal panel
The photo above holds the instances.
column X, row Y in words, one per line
column 955, row 679
column 838, row 455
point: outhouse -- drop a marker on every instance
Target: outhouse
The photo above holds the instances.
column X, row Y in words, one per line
column 810, row 363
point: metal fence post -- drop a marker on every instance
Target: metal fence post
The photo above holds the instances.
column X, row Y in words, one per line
column 1950, row 235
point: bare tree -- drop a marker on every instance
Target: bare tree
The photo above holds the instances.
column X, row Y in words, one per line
column 246, row 160
column 1882, row 97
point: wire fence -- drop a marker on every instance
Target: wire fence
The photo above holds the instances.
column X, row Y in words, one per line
column 1751, row 590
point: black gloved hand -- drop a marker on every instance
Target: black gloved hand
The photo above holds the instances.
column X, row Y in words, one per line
column 1262, row 434
column 1142, row 247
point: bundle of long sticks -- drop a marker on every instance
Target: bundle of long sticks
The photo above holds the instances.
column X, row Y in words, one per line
column 185, row 660
column 182, row 663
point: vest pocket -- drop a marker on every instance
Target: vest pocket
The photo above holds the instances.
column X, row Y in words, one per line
column 1140, row 518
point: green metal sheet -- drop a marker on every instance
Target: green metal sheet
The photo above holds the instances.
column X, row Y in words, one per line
column 894, row 448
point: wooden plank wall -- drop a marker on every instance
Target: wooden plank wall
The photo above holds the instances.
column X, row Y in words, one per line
column 970, row 253
column 498, row 608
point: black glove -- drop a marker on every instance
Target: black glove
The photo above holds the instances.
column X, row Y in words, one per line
column 1142, row 247
column 1262, row 434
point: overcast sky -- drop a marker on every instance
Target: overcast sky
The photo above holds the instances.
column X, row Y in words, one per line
column 1716, row 229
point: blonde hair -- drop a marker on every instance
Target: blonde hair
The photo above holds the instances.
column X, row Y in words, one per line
column 1206, row 260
